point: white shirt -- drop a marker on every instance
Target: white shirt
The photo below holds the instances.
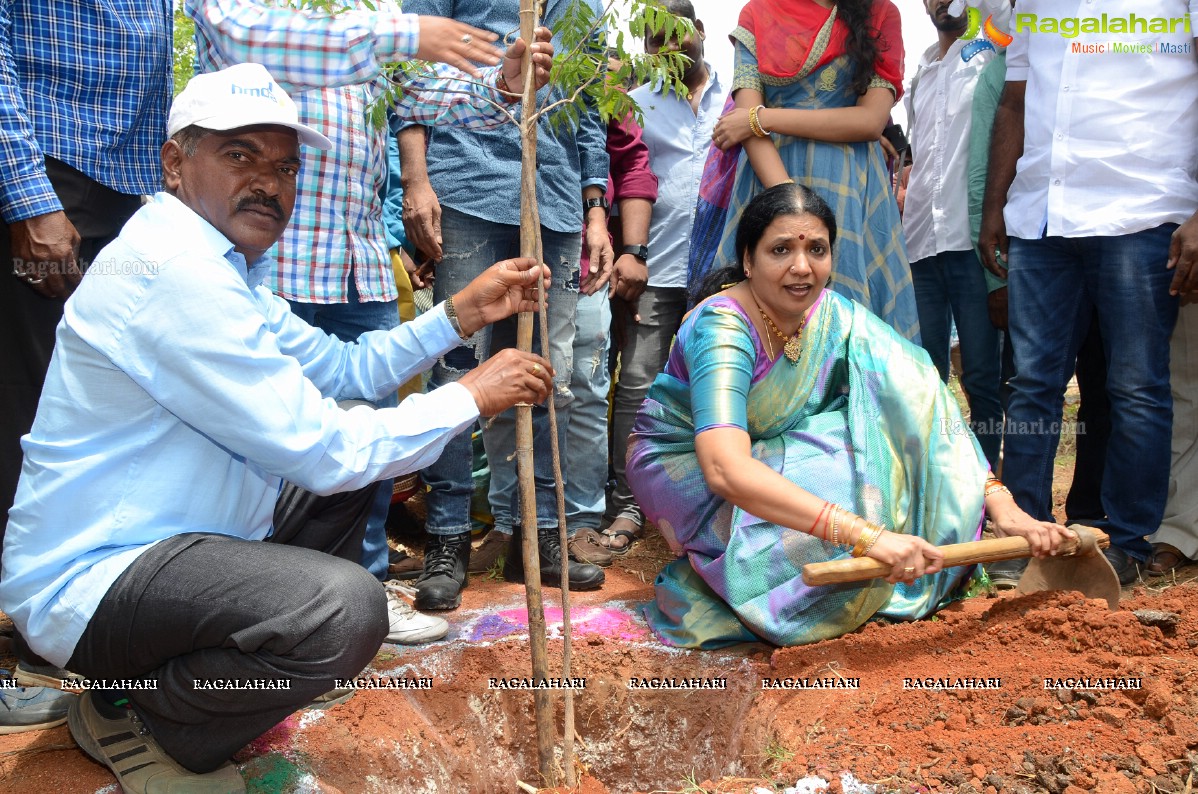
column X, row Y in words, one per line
column 1110, row 138
column 678, row 139
column 936, row 213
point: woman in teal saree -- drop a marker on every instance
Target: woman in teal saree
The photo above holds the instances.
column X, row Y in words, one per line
column 789, row 426
column 820, row 78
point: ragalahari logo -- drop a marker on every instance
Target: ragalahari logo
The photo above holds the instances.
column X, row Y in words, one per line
column 1072, row 27
column 992, row 31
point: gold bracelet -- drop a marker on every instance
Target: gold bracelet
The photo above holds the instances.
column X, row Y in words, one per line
column 755, row 123
column 851, row 526
column 995, row 486
column 877, row 534
column 869, row 536
column 835, row 524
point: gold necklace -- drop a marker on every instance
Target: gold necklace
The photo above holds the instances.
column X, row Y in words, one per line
column 769, row 343
column 792, row 345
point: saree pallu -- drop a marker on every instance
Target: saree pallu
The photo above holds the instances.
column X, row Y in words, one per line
column 862, row 420
column 869, row 260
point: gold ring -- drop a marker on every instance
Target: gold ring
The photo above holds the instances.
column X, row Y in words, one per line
column 908, row 570
column 535, row 369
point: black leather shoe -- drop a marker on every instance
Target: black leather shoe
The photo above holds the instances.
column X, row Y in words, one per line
column 1125, row 566
column 446, row 558
column 1004, row 574
column 583, row 576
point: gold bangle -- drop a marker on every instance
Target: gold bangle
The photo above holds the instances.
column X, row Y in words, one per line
column 835, row 524
column 869, row 536
column 755, row 123
column 851, row 526
column 998, row 488
column 877, row 534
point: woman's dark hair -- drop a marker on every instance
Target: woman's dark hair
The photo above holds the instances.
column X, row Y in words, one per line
column 760, row 212
column 861, row 40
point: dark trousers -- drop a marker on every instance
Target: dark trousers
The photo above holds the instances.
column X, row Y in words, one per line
column 28, row 320
column 203, row 607
column 1084, row 502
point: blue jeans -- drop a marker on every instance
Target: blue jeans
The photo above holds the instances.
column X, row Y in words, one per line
column 471, row 246
column 347, row 321
column 1083, row 503
column 585, row 457
column 1055, row 285
column 646, row 347
column 950, row 287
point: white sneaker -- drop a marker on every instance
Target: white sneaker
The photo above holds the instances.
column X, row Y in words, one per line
column 407, row 626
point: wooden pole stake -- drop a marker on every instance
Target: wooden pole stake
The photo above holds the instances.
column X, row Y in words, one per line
column 529, row 245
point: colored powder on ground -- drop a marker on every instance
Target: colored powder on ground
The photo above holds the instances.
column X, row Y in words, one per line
column 271, row 774
column 609, row 622
column 278, row 739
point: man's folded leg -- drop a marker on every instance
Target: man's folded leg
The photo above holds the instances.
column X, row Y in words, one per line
column 336, row 524
column 199, row 614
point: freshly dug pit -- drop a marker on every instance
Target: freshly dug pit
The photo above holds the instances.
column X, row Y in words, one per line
column 462, row 736
column 1018, row 737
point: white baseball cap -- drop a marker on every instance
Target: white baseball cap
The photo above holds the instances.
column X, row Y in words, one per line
column 239, row 96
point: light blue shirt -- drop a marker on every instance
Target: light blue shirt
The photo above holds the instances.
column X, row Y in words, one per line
column 678, row 139
column 181, row 395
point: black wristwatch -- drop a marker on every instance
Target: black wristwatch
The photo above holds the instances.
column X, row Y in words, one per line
column 591, row 203
column 641, row 252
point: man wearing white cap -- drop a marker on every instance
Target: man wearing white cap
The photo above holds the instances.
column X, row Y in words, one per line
column 333, row 263
column 167, row 538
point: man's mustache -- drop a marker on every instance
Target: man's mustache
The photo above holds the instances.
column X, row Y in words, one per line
column 265, row 201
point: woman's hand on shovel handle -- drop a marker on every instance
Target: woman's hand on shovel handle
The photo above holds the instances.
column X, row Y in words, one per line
column 909, row 557
column 1045, row 537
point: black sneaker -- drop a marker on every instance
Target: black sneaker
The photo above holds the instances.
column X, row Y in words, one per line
column 1126, row 568
column 125, row 745
column 446, row 558
column 1005, row 574
column 583, row 576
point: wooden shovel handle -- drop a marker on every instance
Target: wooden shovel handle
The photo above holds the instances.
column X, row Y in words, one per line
column 860, row 569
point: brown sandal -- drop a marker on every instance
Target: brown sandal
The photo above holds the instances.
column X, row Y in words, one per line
column 619, row 529
column 1165, row 559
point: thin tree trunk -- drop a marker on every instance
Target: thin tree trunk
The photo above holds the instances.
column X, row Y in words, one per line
column 563, row 539
column 529, row 245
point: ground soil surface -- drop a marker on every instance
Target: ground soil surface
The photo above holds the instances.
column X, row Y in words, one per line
column 462, row 736
column 1016, row 737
